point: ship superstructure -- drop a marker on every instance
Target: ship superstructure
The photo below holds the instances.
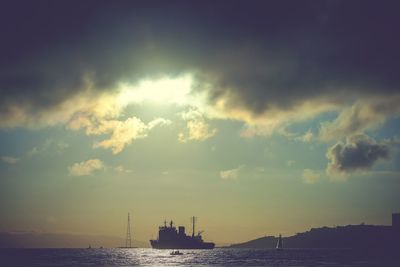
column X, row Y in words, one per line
column 171, row 238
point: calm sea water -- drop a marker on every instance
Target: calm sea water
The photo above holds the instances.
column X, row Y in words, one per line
column 216, row 257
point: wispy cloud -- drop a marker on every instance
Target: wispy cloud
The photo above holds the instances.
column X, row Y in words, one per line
column 9, row 159
column 231, row 174
column 361, row 116
column 122, row 169
column 310, row 176
column 290, row 163
column 307, row 137
column 49, row 143
column 86, row 168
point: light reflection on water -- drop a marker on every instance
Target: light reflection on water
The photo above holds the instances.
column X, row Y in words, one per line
column 216, row 257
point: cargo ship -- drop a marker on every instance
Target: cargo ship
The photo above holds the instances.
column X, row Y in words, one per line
column 171, row 238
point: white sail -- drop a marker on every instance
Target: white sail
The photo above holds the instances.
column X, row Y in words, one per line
column 279, row 244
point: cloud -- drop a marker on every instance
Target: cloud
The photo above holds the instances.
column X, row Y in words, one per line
column 32, row 152
column 9, row 160
column 232, row 174
column 266, row 71
column 62, row 146
column 49, row 143
column 86, row 168
column 121, row 168
column 274, row 119
column 307, row 137
column 86, row 101
column 310, row 176
column 359, row 153
column 360, row 117
column 197, row 130
column 124, row 132
column 96, row 112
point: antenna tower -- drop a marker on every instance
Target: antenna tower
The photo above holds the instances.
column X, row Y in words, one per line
column 128, row 242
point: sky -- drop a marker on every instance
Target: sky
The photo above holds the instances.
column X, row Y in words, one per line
column 258, row 117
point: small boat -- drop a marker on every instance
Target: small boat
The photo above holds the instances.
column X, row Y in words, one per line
column 176, row 252
column 279, row 244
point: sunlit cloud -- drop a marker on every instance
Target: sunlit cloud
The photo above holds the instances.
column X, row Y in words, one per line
column 197, row 127
column 87, row 101
column 165, row 90
column 273, row 119
column 231, row 174
column 99, row 115
column 86, row 168
column 122, row 133
column 197, row 130
column 363, row 115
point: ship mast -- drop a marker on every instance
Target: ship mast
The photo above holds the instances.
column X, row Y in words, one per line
column 194, row 219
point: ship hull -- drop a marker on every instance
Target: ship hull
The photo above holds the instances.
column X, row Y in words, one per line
column 178, row 245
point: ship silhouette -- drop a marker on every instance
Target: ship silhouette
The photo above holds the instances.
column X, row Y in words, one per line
column 171, row 238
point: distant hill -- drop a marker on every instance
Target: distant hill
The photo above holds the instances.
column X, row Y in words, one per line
column 61, row 240
column 350, row 236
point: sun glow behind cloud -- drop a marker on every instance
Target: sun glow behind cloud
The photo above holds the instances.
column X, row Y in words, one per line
column 165, row 90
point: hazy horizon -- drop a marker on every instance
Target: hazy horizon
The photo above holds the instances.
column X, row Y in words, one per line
column 259, row 118
column 34, row 239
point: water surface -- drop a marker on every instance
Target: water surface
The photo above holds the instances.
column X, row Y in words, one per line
column 216, row 257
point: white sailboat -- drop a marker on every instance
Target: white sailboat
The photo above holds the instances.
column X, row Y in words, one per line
column 279, row 244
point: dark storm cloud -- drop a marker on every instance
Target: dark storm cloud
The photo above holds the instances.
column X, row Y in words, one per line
column 359, row 153
column 263, row 53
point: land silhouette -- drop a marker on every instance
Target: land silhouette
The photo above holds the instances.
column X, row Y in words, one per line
column 350, row 236
column 364, row 237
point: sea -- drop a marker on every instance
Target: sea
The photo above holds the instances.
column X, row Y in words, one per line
column 215, row 257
